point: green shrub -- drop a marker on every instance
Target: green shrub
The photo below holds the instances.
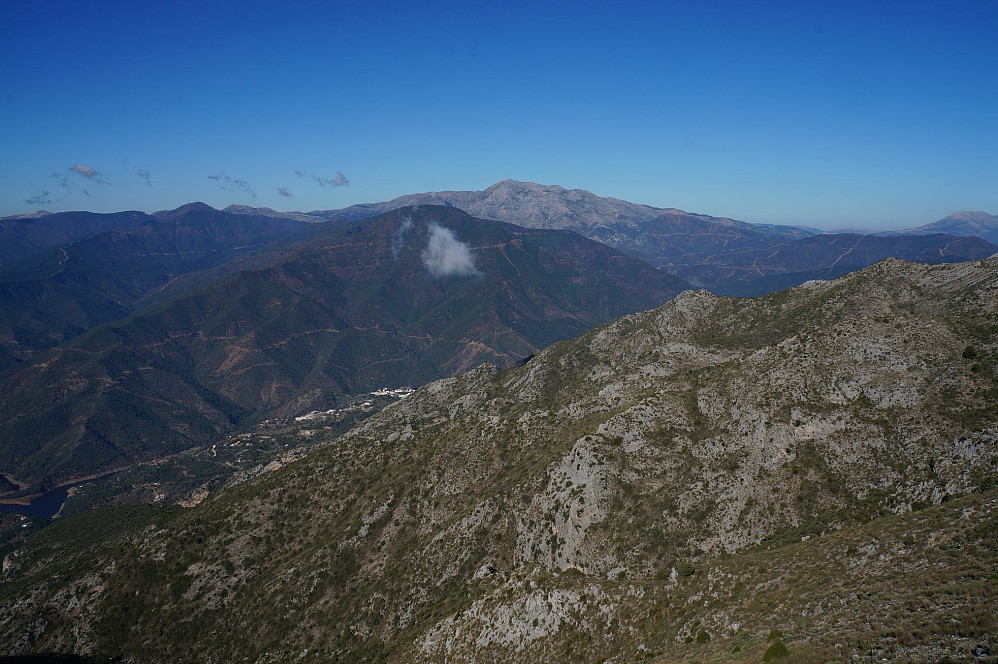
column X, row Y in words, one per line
column 775, row 651
column 774, row 634
column 703, row 637
column 685, row 569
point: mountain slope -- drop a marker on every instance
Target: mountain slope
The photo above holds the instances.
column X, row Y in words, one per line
column 396, row 300
column 981, row 224
column 20, row 237
column 757, row 271
column 675, row 484
column 56, row 294
column 724, row 255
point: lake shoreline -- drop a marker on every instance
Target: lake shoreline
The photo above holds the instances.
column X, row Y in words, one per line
column 34, row 500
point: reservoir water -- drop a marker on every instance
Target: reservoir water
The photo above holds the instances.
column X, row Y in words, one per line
column 47, row 504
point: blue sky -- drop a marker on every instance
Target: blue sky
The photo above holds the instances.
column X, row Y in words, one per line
column 830, row 114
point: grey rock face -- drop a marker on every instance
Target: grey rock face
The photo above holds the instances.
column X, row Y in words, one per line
column 611, row 220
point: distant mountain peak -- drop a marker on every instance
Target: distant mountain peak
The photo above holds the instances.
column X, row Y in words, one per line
column 963, row 222
column 37, row 214
column 706, row 250
column 270, row 212
column 531, row 186
column 184, row 210
column 971, row 215
column 196, row 206
column 249, row 209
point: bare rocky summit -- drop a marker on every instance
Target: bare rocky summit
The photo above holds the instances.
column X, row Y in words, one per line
column 626, row 226
column 817, row 467
column 964, row 222
column 535, row 205
column 269, row 212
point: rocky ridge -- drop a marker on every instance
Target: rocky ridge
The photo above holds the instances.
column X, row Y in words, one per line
column 674, row 485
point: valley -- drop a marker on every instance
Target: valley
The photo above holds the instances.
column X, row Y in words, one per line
column 678, row 484
column 351, row 309
column 593, row 460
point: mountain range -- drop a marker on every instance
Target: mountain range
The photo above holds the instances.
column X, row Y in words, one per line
column 717, row 253
column 724, row 255
column 397, row 300
column 809, row 475
column 124, row 337
column 81, row 270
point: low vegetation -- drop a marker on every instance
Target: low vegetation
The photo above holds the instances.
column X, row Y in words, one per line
column 813, row 486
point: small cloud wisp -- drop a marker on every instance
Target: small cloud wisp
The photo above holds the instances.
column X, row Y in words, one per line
column 42, row 198
column 63, row 180
column 226, row 183
column 339, row 181
column 88, row 172
column 398, row 240
column 445, row 255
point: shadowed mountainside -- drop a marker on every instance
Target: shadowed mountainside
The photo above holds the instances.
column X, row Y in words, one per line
column 55, row 294
column 396, row 300
column 758, row 271
column 21, row 236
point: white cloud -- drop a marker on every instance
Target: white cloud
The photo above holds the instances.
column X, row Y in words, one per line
column 88, row 172
column 445, row 255
column 398, row 240
column 84, row 170
column 227, row 183
column 339, row 181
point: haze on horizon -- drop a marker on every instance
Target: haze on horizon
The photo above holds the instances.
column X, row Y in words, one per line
column 821, row 114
